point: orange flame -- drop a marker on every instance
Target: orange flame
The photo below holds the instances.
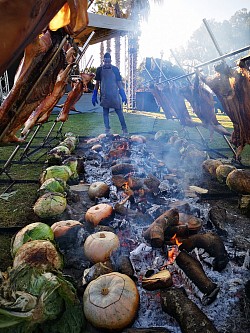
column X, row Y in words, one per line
column 177, row 242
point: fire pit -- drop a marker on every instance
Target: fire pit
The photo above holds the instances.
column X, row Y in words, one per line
column 162, row 225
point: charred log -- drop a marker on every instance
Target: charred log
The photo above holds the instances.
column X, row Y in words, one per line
column 156, row 231
column 123, row 168
column 212, row 244
column 190, row 318
column 194, row 271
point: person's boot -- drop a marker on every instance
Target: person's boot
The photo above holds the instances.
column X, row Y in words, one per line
column 125, row 132
column 107, row 131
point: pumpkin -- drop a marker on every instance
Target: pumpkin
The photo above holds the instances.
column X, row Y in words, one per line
column 222, row 172
column 60, row 228
column 98, row 213
column 138, row 138
column 99, row 246
column 97, row 147
column 239, row 181
column 98, row 190
column 210, row 166
column 111, row 301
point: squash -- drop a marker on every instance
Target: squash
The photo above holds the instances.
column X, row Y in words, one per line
column 222, row 171
column 98, row 213
column 210, row 166
column 60, row 228
column 111, row 301
column 98, row 190
column 138, row 138
column 239, row 181
column 98, row 247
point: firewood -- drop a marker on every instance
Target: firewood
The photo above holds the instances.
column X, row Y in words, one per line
column 123, row 168
column 212, row 244
column 156, row 231
column 244, row 204
column 194, row 271
column 160, row 280
column 190, row 318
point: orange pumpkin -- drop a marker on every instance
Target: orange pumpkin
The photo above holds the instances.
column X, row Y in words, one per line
column 98, row 247
column 60, row 228
column 98, row 213
column 111, row 301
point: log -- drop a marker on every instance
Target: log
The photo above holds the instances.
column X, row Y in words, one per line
column 194, row 271
column 156, row 231
column 123, row 168
column 191, row 319
column 212, row 244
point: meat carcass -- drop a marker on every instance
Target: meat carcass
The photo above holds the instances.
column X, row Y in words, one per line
column 22, row 21
column 86, row 78
column 173, row 104
column 232, row 88
column 72, row 98
column 20, row 103
column 43, row 111
column 202, row 103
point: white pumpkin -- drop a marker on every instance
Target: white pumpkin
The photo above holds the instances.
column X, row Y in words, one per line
column 98, row 190
column 111, row 301
column 99, row 246
column 98, row 213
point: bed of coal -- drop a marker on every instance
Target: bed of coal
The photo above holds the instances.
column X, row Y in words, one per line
column 170, row 216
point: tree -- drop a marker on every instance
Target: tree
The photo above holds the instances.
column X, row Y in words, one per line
column 230, row 35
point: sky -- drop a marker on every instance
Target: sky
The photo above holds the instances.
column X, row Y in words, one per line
column 171, row 24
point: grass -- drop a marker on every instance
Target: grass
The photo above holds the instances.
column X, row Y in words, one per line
column 16, row 206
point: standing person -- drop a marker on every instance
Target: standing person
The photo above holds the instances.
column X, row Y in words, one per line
column 108, row 79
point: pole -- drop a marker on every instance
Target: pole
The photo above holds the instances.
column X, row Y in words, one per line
column 210, row 62
column 220, row 53
column 212, row 37
column 84, row 48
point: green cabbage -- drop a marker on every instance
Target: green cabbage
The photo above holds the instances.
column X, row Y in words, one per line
column 39, row 253
column 33, row 231
column 36, row 301
column 53, row 185
column 50, row 204
column 56, row 171
column 57, row 155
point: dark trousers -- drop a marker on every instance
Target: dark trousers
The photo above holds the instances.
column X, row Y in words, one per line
column 120, row 115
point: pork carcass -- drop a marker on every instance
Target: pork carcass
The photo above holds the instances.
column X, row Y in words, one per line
column 232, row 88
column 20, row 103
column 72, row 98
column 172, row 102
column 22, row 21
column 44, row 109
column 202, row 103
column 86, row 78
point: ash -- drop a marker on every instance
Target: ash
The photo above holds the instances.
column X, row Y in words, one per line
column 229, row 312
